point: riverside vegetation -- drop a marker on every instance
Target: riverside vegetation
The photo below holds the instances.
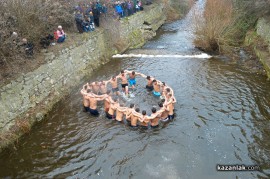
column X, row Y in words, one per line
column 229, row 28
column 226, row 23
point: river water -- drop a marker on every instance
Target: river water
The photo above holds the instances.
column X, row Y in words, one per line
column 222, row 117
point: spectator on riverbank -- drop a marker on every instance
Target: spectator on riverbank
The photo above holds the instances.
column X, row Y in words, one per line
column 86, row 24
column 119, row 10
column 130, row 8
column 79, row 20
column 96, row 14
column 28, row 47
column 104, row 10
column 99, row 6
column 61, row 36
column 140, row 5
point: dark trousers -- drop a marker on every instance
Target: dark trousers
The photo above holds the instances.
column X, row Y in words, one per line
column 96, row 21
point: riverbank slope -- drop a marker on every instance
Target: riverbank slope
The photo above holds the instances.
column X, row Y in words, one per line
column 28, row 99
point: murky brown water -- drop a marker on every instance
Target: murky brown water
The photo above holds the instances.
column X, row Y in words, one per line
column 222, row 113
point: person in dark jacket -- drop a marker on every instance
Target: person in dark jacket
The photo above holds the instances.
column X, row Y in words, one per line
column 79, row 21
column 96, row 14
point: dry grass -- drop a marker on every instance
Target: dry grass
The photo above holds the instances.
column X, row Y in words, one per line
column 211, row 25
column 224, row 24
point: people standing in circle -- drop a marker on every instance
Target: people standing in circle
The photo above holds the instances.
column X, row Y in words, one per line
column 115, row 109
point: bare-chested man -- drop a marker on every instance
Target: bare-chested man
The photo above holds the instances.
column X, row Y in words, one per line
column 170, row 106
column 113, row 106
column 107, row 101
column 149, row 85
column 95, row 87
column 156, row 86
column 145, row 122
column 86, row 103
column 103, row 87
column 93, row 104
column 132, row 78
column 154, row 118
column 124, row 81
column 165, row 113
column 134, row 117
column 128, row 112
column 120, row 110
column 115, row 88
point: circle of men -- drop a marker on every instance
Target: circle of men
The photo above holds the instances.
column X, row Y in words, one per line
column 115, row 110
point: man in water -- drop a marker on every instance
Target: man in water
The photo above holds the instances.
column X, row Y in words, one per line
column 170, row 103
column 149, row 85
column 149, row 79
column 86, row 103
column 124, row 82
column 132, row 78
column 145, row 122
column 128, row 113
column 95, row 87
column 115, row 88
column 165, row 113
column 113, row 106
column 134, row 117
column 156, row 86
column 120, row 110
column 103, row 87
column 154, row 118
column 93, row 104
column 107, row 101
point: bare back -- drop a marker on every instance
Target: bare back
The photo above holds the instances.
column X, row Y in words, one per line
column 155, row 121
column 112, row 109
column 93, row 102
column 134, row 120
column 119, row 114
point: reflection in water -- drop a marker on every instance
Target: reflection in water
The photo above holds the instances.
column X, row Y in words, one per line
column 222, row 118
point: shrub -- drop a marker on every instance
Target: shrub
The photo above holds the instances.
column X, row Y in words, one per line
column 210, row 26
column 226, row 22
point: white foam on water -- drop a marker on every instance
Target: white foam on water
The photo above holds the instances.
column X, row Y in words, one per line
column 202, row 55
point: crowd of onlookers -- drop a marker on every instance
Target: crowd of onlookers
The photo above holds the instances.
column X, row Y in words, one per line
column 87, row 18
column 87, row 15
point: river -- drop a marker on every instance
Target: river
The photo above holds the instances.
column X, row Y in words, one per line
column 222, row 117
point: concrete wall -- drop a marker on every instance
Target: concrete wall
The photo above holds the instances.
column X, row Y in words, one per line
column 142, row 26
column 41, row 89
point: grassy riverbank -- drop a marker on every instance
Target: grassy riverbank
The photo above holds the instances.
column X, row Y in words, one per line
column 226, row 25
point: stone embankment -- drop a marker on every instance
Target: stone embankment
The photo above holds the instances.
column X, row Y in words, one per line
column 262, row 46
column 27, row 99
